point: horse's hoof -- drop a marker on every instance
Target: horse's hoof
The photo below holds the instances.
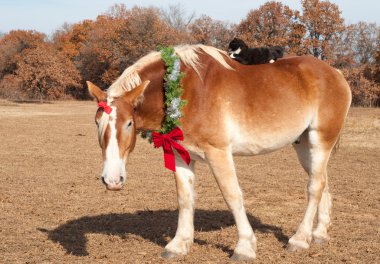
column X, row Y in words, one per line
column 297, row 247
column 241, row 257
column 166, row 254
column 292, row 248
column 321, row 240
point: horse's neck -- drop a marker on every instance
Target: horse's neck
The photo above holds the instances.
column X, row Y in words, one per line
column 151, row 111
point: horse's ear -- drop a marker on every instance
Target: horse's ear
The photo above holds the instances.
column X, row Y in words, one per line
column 96, row 92
column 136, row 95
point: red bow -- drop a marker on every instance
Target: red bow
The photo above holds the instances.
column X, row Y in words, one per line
column 105, row 106
column 167, row 141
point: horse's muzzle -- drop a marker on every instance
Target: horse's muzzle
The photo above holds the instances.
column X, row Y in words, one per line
column 114, row 185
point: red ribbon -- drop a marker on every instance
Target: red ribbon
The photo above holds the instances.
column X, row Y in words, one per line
column 169, row 141
column 105, row 106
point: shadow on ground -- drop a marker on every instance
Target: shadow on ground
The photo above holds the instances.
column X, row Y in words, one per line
column 151, row 225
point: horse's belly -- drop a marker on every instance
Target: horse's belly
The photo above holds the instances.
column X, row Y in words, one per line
column 254, row 146
column 254, row 140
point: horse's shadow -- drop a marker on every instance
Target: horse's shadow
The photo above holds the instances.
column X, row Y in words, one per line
column 151, row 225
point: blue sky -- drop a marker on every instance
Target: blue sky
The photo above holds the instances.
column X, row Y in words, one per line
column 48, row 15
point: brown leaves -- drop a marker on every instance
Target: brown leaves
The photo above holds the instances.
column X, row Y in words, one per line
column 316, row 32
column 323, row 24
column 46, row 73
column 116, row 40
column 207, row 31
column 269, row 25
column 12, row 44
column 34, row 68
column 320, row 31
column 365, row 91
column 99, row 50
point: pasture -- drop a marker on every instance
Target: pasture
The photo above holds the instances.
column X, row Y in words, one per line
column 54, row 208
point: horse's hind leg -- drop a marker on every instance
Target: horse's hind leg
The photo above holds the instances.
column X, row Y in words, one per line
column 313, row 153
column 223, row 168
column 184, row 237
column 320, row 235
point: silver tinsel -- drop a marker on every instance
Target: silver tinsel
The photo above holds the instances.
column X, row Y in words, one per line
column 176, row 114
column 175, row 103
column 176, row 70
column 174, row 109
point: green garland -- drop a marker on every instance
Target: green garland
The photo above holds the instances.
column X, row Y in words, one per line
column 173, row 92
column 173, row 89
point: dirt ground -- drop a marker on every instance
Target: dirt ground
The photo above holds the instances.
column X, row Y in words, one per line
column 54, row 208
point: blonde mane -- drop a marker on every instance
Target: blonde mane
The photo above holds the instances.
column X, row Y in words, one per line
column 188, row 54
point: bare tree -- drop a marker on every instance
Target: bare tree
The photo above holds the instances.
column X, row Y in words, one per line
column 344, row 54
column 365, row 37
column 177, row 17
column 117, row 11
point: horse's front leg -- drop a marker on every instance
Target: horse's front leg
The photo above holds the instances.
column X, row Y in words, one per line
column 223, row 168
column 184, row 237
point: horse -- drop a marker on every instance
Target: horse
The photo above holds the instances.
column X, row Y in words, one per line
column 232, row 109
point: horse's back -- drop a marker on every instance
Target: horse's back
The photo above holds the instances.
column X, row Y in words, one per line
column 288, row 89
column 305, row 76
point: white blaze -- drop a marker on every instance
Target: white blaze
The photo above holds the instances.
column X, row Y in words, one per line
column 114, row 165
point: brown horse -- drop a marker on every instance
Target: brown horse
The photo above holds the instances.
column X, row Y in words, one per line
column 232, row 109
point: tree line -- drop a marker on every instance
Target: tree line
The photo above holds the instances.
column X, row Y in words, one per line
column 35, row 66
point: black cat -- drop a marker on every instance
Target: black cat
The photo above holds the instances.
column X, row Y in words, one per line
column 239, row 51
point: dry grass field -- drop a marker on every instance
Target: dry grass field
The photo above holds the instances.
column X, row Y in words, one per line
column 53, row 208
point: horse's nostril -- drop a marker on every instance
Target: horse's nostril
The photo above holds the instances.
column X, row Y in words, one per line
column 104, row 181
column 121, row 179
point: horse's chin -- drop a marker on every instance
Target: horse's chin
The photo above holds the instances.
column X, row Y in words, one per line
column 114, row 187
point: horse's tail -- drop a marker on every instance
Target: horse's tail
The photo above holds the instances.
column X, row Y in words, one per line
column 336, row 146
column 340, row 72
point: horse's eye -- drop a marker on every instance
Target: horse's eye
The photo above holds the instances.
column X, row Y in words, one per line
column 129, row 124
